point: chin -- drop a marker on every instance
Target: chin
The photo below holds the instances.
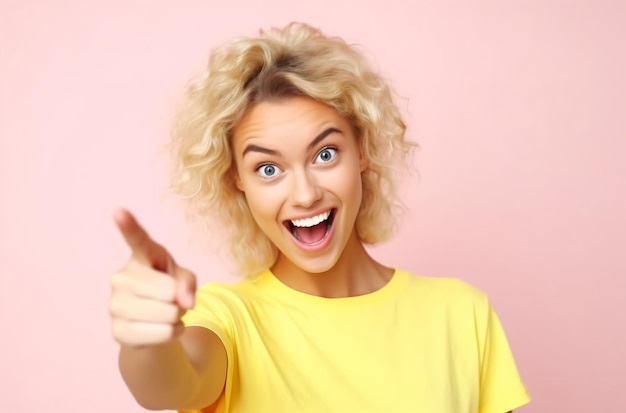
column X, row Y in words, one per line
column 314, row 266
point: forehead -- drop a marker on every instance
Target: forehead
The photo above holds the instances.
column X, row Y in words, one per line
column 287, row 118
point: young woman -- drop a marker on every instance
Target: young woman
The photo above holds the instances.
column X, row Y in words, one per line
column 291, row 143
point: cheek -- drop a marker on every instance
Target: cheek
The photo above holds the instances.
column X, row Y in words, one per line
column 348, row 183
column 356, row 190
column 262, row 203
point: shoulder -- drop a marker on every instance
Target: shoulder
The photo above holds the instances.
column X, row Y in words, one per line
column 224, row 292
column 446, row 286
column 244, row 291
column 445, row 291
column 219, row 305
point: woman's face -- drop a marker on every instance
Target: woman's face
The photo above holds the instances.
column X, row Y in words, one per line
column 299, row 165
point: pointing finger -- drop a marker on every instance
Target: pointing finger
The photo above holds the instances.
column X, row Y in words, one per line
column 134, row 234
column 140, row 243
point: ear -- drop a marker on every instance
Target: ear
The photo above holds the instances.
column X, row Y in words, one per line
column 234, row 176
column 238, row 182
column 363, row 159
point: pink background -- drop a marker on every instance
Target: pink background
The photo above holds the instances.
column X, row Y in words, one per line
column 519, row 108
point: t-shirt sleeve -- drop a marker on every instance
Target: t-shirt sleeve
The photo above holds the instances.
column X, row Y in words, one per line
column 213, row 311
column 501, row 386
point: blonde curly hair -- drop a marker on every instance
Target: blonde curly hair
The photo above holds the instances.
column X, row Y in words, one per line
column 297, row 60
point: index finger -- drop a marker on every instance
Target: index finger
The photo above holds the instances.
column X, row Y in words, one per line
column 135, row 236
column 142, row 246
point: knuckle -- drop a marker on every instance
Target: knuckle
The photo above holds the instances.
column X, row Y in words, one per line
column 168, row 288
column 119, row 280
column 120, row 331
column 114, row 308
column 120, row 306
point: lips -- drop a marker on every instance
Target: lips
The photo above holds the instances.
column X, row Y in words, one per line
column 313, row 230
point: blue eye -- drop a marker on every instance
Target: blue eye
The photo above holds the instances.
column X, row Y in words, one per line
column 326, row 155
column 268, row 170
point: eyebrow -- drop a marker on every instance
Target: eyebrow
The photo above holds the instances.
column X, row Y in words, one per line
column 318, row 139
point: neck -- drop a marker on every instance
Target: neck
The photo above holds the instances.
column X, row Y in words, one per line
column 355, row 273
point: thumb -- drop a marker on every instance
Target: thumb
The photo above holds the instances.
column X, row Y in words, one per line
column 185, row 288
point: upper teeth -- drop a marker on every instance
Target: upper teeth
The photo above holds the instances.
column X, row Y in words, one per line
column 309, row 222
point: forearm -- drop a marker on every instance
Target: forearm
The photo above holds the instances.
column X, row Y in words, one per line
column 159, row 377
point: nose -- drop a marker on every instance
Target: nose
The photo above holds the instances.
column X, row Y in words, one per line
column 305, row 191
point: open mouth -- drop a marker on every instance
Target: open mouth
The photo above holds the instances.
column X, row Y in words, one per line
column 312, row 230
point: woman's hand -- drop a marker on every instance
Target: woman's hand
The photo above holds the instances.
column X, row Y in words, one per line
column 150, row 293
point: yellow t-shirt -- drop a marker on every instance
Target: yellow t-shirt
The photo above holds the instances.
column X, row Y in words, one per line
column 419, row 344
